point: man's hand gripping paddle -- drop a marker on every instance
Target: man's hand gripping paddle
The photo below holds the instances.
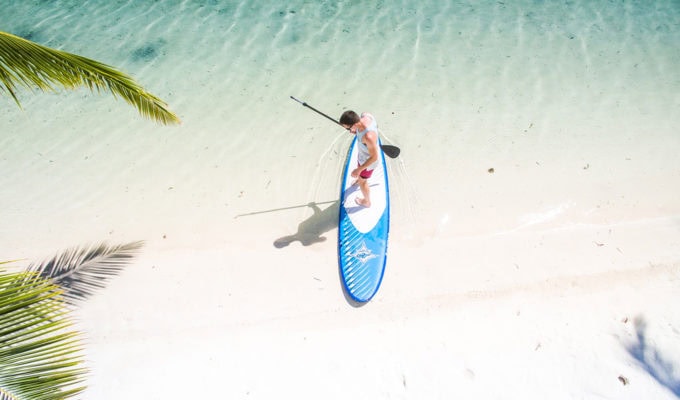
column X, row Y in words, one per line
column 389, row 150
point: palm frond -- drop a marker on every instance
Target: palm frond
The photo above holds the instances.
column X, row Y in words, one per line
column 40, row 353
column 30, row 65
column 80, row 271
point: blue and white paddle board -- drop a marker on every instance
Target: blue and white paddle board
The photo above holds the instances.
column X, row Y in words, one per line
column 362, row 232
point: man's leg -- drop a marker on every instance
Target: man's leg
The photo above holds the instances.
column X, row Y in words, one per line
column 365, row 190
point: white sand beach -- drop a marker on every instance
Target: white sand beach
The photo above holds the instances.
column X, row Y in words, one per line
column 534, row 245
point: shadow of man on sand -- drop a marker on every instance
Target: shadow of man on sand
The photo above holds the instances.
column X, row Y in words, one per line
column 310, row 231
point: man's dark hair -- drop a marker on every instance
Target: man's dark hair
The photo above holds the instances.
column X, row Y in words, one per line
column 349, row 118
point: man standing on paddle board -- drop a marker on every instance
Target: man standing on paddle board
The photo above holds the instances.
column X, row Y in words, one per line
column 366, row 129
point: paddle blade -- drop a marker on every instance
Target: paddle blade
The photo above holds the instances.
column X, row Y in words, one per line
column 390, row 151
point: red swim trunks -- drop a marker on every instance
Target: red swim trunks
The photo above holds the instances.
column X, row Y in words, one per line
column 366, row 173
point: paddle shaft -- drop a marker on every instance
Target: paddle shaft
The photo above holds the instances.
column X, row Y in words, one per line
column 317, row 111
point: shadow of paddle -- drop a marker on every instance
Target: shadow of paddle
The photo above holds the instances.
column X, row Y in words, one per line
column 311, row 230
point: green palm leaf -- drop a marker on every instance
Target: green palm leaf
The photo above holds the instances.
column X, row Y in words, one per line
column 80, row 271
column 28, row 64
column 40, row 354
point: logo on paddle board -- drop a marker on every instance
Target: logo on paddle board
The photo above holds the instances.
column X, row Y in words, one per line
column 363, row 253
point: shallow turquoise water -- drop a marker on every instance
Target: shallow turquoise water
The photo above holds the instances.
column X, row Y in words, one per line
column 461, row 86
column 340, row 53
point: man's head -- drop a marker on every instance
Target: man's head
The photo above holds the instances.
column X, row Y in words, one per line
column 348, row 119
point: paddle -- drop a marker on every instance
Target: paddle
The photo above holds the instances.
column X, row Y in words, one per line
column 389, row 150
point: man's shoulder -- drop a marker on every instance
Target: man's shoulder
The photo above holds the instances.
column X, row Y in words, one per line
column 368, row 118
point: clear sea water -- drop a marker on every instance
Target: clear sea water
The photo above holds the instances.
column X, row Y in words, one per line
column 461, row 86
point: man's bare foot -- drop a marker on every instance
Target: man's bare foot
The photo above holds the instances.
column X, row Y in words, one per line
column 363, row 202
